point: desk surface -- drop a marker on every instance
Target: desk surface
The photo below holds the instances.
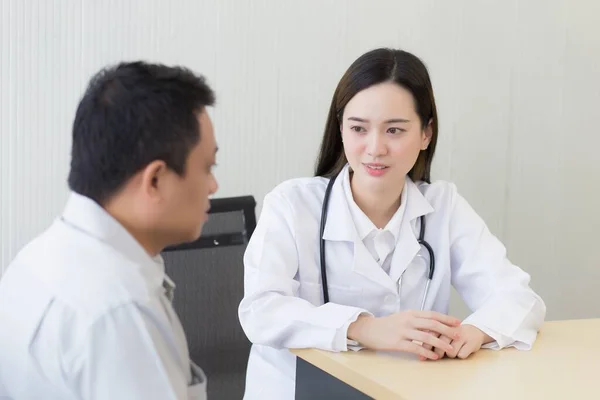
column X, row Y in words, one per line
column 563, row 364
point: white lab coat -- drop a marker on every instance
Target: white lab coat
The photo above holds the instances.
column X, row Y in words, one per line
column 283, row 305
column 84, row 315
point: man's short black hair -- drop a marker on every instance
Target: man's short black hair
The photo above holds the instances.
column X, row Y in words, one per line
column 130, row 115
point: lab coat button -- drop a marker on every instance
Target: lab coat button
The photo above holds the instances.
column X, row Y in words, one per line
column 390, row 299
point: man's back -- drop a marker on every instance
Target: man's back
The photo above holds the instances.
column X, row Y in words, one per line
column 83, row 309
column 84, row 315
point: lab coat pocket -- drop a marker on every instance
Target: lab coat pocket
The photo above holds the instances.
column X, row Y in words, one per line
column 344, row 295
column 197, row 389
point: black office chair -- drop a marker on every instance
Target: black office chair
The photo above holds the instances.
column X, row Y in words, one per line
column 209, row 279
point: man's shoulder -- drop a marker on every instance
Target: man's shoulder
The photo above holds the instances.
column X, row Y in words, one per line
column 82, row 273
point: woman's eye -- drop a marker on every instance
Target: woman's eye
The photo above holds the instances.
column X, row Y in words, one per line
column 395, row 131
column 357, row 128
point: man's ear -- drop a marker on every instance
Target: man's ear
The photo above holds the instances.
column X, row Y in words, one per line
column 152, row 178
column 427, row 135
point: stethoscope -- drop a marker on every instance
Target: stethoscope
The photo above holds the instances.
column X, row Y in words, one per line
column 421, row 241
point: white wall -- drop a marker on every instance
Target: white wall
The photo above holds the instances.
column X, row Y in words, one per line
column 516, row 81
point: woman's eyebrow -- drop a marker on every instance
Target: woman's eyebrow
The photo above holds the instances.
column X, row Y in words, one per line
column 396, row 120
column 389, row 121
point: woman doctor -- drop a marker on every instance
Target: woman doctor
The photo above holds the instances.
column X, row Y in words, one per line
column 378, row 144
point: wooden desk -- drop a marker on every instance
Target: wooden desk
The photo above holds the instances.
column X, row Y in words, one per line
column 563, row 364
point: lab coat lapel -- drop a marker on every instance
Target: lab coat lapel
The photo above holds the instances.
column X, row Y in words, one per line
column 365, row 265
column 407, row 245
column 340, row 227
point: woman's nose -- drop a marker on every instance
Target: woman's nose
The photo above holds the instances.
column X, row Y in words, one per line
column 376, row 146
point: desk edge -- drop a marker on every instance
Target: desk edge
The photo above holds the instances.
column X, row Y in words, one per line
column 322, row 360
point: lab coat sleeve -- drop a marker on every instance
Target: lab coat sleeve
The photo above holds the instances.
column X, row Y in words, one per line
column 271, row 312
column 497, row 292
column 128, row 355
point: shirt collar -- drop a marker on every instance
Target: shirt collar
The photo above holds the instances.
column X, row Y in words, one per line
column 364, row 226
column 89, row 217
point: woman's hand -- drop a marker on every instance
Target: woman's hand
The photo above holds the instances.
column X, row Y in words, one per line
column 470, row 341
column 399, row 332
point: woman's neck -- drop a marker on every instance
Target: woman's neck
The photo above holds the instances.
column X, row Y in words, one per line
column 378, row 205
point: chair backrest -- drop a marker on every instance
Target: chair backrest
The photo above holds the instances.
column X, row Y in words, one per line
column 209, row 279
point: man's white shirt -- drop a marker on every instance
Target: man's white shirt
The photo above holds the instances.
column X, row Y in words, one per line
column 84, row 315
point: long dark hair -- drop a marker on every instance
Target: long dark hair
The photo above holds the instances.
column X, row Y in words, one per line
column 378, row 66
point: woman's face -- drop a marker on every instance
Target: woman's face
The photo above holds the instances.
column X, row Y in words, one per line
column 382, row 136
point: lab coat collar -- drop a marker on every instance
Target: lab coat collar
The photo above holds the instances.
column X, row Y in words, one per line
column 89, row 217
column 408, row 246
column 340, row 225
column 364, row 226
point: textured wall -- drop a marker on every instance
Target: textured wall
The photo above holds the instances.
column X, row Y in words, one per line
column 516, row 81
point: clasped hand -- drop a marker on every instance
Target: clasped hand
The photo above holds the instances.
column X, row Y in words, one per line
column 428, row 334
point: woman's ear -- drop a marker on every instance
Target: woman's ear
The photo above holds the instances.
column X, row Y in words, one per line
column 427, row 135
